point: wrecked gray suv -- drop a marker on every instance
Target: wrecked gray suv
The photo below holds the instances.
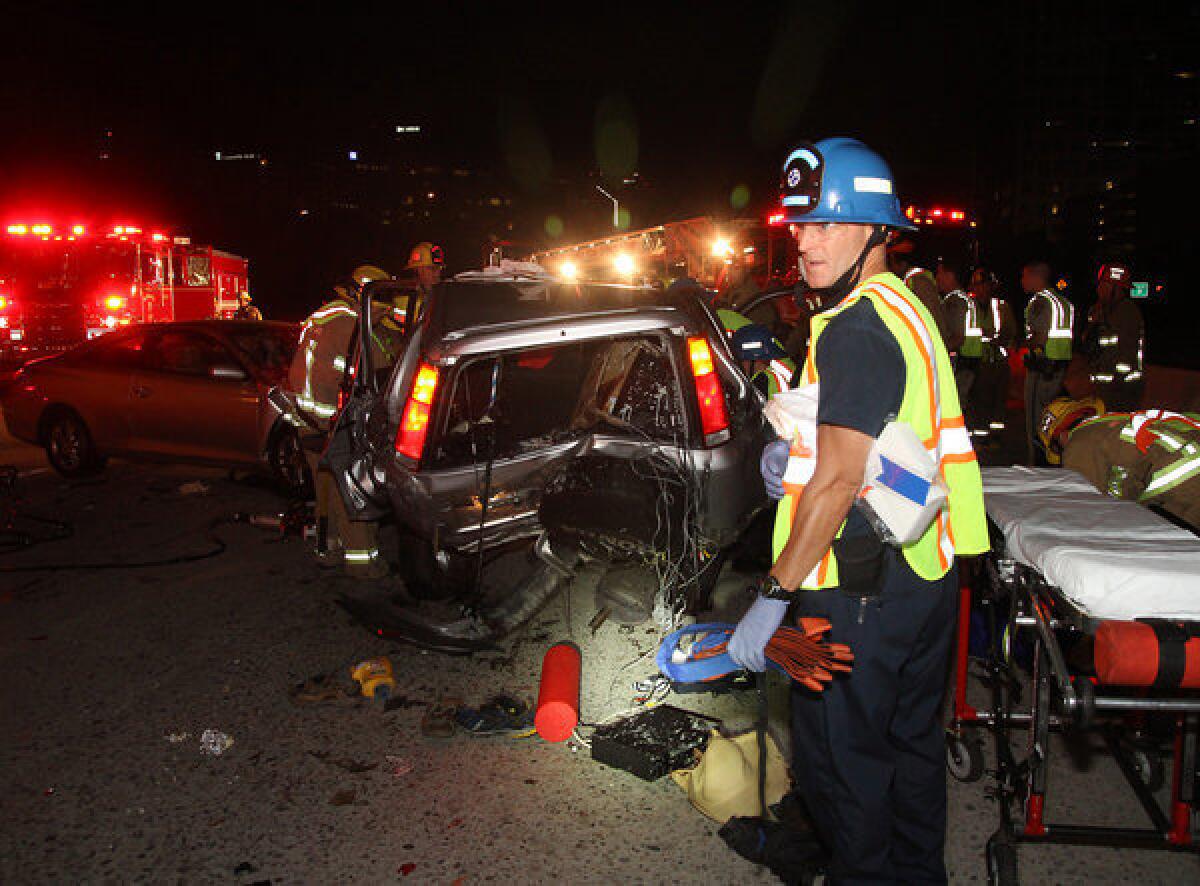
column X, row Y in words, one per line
column 587, row 421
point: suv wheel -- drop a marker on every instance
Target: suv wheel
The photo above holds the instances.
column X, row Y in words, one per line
column 69, row 445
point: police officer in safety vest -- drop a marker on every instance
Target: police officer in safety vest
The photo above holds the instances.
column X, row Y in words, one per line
column 964, row 334
column 1049, row 321
column 868, row 752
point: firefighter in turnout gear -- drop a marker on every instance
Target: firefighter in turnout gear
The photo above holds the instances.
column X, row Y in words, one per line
column 246, row 309
column 869, row 749
column 1114, row 340
column 1049, row 321
column 999, row 337
column 1151, row 457
column 319, row 376
column 427, row 261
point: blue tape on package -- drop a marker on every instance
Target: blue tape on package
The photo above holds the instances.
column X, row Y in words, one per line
column 903, row 482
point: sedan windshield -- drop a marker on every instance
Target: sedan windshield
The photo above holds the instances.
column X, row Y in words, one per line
column 268, row 347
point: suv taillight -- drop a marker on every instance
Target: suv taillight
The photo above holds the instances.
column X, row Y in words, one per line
column 709, row 396
column 410, row 436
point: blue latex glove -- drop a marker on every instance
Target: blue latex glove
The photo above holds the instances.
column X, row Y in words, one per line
column 771, row 465
column 747, row 646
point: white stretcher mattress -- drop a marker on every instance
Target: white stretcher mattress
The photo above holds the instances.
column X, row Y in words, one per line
column 1112, row 559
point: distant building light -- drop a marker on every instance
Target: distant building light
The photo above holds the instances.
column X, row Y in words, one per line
column 216, row 155
column 1190, row 121
column 1185, row 75
column 1108, row 186
column 407, row 130
column 304, row 212
column 353, row 155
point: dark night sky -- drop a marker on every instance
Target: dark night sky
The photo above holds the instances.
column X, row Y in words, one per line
column 716, row 91
column 708, row 96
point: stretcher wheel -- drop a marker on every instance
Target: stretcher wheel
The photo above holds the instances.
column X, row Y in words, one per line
column 1086, row 715
column 1001, row 862
column 964, row 759
column 1149, row 768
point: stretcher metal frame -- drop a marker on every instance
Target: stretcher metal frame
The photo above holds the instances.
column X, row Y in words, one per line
column 1017, row 601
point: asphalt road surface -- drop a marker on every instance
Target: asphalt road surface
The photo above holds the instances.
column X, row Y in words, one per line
column 112, row 675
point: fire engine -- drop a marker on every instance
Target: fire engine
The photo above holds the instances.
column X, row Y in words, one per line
column 60, row 285
column 702, row 248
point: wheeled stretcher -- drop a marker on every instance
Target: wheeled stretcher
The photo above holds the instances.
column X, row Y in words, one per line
column 1071, row 567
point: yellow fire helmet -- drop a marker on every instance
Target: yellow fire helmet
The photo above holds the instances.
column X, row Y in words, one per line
column 426, row 255
column 1061, row 417
column 724, row 784
column 369, row 274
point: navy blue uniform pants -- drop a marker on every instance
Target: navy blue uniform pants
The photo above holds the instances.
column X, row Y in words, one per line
column 869, row 751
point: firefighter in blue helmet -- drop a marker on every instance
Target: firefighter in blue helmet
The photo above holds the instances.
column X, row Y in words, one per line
column 868, row 751
column 763, row 359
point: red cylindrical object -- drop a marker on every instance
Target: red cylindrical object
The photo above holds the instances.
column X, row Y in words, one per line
column 1127, row 654
column 558, row 696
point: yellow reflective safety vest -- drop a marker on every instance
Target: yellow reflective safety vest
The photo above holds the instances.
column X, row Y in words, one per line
column 778, row 375
column 972, row 344
column 1062, row 321
column 930, row 407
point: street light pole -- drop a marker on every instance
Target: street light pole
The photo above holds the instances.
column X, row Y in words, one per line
column 616, row 206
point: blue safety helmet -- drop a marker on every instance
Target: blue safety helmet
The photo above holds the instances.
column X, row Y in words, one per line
column 840, row 180
column 755, row 342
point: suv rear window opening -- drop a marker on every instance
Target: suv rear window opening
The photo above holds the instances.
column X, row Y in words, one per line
column 522, row 401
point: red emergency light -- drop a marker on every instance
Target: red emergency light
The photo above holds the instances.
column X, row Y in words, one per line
column 18, row 230
column 775, row 218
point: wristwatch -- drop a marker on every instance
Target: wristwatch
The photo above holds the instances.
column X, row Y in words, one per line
column 770, row 588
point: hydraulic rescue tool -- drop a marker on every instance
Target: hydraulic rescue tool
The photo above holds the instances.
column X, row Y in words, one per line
column 697, row 653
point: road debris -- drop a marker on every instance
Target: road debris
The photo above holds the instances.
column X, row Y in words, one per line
column 214, row 742
column 374, row 676
column 195, row 487
column 177, row 737
column 344, row 798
